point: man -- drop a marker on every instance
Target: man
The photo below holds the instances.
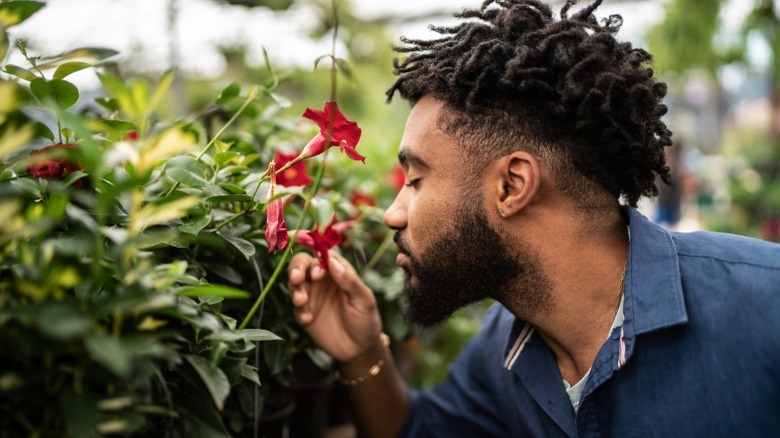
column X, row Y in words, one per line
column 525, row 134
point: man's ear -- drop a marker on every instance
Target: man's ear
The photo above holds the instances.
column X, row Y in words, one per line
column 518, row 180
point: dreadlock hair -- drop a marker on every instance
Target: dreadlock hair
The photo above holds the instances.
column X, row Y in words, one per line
column 565, row 90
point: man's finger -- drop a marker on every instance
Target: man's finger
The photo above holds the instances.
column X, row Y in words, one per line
column 298, row 268
column 345, row 276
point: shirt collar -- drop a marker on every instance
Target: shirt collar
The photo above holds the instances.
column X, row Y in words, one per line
column 654, row 295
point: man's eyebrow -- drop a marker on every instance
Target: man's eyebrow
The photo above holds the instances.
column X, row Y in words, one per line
column 406, row 157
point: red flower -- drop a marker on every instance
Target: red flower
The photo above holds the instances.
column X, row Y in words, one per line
column 361, row 199
column 769, row 230
column 275, row 229
column 132, row 135
column 295, row 175
column 53, row 168
column 320, row 243
column 398, row 177
column 345, row 133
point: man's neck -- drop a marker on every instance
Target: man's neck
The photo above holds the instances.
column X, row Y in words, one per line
column 585, row 272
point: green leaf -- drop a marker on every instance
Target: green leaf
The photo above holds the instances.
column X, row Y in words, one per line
column 108, row 103
column 81, row 414
column 345, row 68
column 198, row 419
column 20, row 72
column 213, row 290
column 12, row 13
column 62, row 321
column 73, row 177
column 5, row 44
column 13, row 137
column 232, row 188
column 105, row 125
column 277, row 356
column 250, row 373
column 162, row 88
column 62, row 93
column 110, row 352
column 223, row 157
column 242, row 245
column 218, row 351
column 93, row 54
column 30, row 186
column 248, row 335
column 232, row 367
column 214, row 378
column 280, row 100
column 42, row 130
column 324, row 209
column 195, row 225
column 69, row 68
column 319, row 59
column 229, row 93
column 187, row 177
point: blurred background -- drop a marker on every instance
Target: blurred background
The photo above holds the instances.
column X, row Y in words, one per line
column 721, row 60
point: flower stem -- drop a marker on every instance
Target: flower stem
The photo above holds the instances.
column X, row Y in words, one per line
column 317, row 182
column 334, row 69
column 249, row 98
column 287, row 251
column 251, row 95
column 231, row 219
column 379, row 252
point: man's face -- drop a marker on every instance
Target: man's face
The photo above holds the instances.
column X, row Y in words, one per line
column 451, row 253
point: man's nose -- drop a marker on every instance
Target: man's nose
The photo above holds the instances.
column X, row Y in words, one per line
column 395, row 215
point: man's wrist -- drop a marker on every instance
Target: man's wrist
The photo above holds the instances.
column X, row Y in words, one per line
column 366, row 366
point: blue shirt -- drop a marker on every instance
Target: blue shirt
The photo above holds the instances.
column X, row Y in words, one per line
column 698, row 354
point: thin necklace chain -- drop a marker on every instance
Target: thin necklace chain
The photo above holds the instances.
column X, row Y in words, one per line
column 622, row 282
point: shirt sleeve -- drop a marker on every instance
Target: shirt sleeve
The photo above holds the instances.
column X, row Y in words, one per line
column 465, row 403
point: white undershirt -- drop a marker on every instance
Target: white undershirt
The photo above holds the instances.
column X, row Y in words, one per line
column 575, row 392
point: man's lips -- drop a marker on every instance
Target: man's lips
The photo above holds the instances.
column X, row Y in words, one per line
column 403, row 261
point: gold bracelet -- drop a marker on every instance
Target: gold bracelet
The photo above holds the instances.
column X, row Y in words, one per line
column 373, row 371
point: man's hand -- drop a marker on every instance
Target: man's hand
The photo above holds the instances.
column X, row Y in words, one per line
column 335, row 307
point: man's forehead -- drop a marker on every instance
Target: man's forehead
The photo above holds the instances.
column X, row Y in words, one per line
column 423, row 141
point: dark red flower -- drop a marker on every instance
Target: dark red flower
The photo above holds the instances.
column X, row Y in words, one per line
column 275, row 229
column 769, row 229
column 295, row 175
column 320, row 243
column 345, row 133
column 132, row 135
column 48, row 163
column 398, row 177
column 361, row 199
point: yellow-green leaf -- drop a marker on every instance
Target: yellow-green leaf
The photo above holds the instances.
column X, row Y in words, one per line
column 172, row 142
column 70, row 67
column 213, row 290
column 19, row 72
column 12, row 13
column 162, row 88
column 62, row 93
column 155, row 214
column 13, row 138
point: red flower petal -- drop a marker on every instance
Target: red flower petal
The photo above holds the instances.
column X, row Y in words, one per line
column 335, row 129
column 54, row 168
column 295, row 175
column 398, row 177
column 321, row 243
column 275, row 229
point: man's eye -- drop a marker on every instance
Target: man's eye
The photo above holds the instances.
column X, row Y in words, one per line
column 413, row 182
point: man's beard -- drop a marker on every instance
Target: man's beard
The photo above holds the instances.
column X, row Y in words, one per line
column 466, row 265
